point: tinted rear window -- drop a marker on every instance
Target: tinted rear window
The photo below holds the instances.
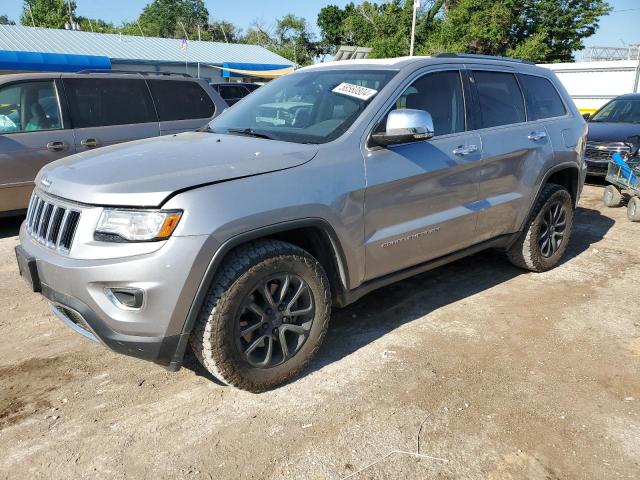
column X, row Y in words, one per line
column 102, row 102
column 500, row 99
column 542, row 98
column 233, row 91
column 181, row 100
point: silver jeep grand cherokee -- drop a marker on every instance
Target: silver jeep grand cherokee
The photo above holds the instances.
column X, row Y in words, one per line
column 313, row 191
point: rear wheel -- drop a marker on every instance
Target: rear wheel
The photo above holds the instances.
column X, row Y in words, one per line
column 547, row 231
column 265, row 316
column 633, row 209
column 612, row 196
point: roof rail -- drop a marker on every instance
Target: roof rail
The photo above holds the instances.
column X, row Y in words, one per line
column 131, row 72
column 482, row 57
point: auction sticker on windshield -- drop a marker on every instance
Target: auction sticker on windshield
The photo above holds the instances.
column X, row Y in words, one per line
column 355, row 91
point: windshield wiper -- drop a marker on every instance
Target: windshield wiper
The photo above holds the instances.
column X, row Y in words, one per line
column 206, row 128
column 249, row 132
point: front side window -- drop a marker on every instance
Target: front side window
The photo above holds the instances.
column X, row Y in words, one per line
column 315, row 106
column 29, row 107
column 181, row 100
column 441, row 95
column 542, row 98
column 619, row 111
column 99, row 102
column 500, row 99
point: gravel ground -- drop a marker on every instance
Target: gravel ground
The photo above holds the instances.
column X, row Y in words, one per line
column 501, row 374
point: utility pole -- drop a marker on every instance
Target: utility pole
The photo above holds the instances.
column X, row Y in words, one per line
column 416, row 5
column 637, row 79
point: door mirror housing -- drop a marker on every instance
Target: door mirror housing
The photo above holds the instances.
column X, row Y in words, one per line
column 586, row 116
column 405, row 126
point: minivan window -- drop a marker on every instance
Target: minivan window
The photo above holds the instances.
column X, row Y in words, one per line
column 440, row 94
column 313, row 106
column 542, row 98
column 181, row 100
column 500, row 98
column 29, row 107
column 99, row 102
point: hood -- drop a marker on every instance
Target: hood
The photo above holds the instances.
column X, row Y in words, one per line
column 612, row 132
column 146, row 172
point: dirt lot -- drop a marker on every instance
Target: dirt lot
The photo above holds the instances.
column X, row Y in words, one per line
column 511, row 375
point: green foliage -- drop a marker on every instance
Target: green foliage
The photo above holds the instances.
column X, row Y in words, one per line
column 222, row 31
column 171, row 18
column 46, row 13
column 537, row 30
column 4, row 20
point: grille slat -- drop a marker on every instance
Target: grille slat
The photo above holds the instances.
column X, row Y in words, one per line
column 602, row 151
column 52, row 223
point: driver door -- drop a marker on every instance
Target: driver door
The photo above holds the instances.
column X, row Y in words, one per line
column 421, row 197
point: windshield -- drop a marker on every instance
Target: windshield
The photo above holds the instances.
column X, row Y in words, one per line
column 305, row 107
column 619, row 111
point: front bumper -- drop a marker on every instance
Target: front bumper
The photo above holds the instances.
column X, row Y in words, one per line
column 170, row 277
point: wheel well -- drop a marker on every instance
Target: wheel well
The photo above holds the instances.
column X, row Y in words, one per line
column 568, row 178
column 322, row 246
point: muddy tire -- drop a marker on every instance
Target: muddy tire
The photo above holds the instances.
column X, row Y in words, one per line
column 265, row 316
column 547, row 232
column 633, row 209
column 612, row 197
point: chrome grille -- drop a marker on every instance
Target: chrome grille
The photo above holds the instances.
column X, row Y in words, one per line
column 52, row 224
column 601, row 152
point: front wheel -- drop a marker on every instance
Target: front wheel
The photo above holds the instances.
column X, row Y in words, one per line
column 612, row 197
column 546, row 234
column 265, row 316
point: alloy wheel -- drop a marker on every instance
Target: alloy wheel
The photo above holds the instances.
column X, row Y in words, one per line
column 552, row 229
column 275, row 320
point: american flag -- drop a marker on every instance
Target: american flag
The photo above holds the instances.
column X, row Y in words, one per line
column 183, row 45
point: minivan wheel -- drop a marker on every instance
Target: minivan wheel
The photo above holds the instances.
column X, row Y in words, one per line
column 265, row 316
column 546, row 235
column 612, row 197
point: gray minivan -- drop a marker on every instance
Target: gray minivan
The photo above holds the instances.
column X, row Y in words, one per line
column 47, row 116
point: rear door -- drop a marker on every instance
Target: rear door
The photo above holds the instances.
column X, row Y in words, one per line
column 106, row 110
column 33, row 132
column 420, row 198
column 184, row 105
column 513, row 149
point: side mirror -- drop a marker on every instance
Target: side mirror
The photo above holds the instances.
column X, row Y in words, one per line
column 404, row 126
column 586, row 116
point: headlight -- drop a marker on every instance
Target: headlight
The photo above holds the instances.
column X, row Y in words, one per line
column 136, row 225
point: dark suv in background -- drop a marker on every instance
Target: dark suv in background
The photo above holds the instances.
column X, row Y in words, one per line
column 234, row 92
column 45, row 117
column 615, row 128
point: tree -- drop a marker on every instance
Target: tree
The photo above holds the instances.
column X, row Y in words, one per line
column 47, row 13
column 4, row 20
column 537, row 30
column 295, row 40
column 223, row 31
column 171, row 18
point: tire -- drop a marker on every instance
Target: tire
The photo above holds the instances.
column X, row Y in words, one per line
column 531, row 251
column 633, row 209
column 238, row 302
column 612, row 197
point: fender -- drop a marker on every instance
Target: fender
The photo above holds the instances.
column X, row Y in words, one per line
column 226, row 247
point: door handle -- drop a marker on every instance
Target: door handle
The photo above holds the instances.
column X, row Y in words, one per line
column 56, row 146
column 535, row 136
column 464, row 150
column 90, row 143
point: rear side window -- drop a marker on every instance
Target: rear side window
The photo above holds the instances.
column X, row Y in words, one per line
column 232, row 91
column 102, row 102
column 500, row 99
column 29, row 107
column 542, row 98
column 180, row 100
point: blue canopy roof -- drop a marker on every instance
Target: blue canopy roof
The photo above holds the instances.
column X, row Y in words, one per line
column 51, row 62
column 255, row 67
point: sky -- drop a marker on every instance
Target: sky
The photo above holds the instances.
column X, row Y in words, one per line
column 618, row 29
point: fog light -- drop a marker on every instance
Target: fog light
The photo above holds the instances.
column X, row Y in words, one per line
column 125, row 297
